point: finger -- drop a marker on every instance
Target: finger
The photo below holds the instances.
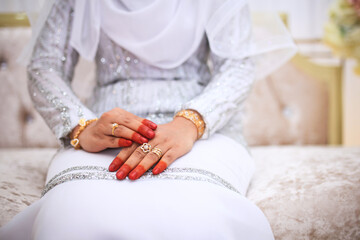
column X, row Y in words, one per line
column 149, row 123
column 135, row 123
column 135, row 126
column 149, row 160
column 128, row 120
column 122, row 157
column 130, row 163
column 168, row 158
column 114, row 142
column 146, row 131
column 124, row 132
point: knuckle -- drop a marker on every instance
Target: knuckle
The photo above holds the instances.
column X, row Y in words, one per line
column 126, row 120
column 138, row 153
column 112, row 141
column 105, row 115
column 168, row 157
column 176, row 145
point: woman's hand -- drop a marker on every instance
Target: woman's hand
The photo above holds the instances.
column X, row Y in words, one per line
column 174, row 139
column 98, row 135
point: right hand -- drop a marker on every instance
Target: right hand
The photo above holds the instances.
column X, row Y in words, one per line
column 98, row 135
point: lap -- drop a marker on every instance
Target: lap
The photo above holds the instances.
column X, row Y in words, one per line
column 149, row 210
column 177, row 207
column 219, row 158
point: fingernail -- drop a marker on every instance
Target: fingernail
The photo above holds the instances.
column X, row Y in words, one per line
column 150, row 134
column 153, row 125
column 156, row 171
column 159, row 168
column 124, row 170
column 121, row 175
column 115, row 164
column 150, row 124
column 143, row 140
column 124, row 142
column 137, row 172
column 112, row 167
column 134, row 175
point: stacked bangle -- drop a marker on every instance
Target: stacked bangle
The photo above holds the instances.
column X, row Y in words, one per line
column 75, row 142
column 196, row 118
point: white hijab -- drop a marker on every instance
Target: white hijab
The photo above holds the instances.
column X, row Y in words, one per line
column 165, row 33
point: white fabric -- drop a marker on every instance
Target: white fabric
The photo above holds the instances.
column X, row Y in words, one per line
column 170, row 38
column 147, row 209
column 165, row 41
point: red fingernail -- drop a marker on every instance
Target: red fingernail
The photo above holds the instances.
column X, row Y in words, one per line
column 153, row 126
column 137, row 172
column 115, row 164
column 159, row 168
column 124, row 142
column 121, row 175
column 123, row 172
column 134, row 175
column 150, row 124
column 150, row 134
column 143, row 140
column 112, row 167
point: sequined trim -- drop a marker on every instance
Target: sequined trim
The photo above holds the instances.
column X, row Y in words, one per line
column 101, row 173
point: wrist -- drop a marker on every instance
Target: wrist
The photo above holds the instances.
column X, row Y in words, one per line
column 195, row 118
column 75, row 142
column 187, row 126
column 73, row 132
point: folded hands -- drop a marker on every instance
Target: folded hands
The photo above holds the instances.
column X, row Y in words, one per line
column 144, row 143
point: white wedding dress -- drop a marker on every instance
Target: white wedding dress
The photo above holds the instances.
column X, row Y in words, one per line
column 200, row 196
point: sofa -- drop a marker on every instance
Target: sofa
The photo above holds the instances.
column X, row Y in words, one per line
column 306, row 183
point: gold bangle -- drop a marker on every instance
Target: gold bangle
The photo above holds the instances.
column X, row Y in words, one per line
column 196, row 118
column 75, row 142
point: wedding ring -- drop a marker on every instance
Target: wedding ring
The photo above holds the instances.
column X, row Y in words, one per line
column 157, row 151
column 145, row 147
column 114, row 126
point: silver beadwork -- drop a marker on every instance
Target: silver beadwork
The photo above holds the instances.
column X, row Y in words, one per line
column 101, row 173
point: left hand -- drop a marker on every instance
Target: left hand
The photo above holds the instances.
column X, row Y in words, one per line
column 174, row 139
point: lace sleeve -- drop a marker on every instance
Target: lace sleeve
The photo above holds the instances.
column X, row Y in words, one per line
column 50, row 72
column 225, row 93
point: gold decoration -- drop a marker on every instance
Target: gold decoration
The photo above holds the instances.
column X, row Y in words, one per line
column 196, row 118
column 75, row 142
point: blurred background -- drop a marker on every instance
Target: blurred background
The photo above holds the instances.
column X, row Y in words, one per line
column 299, row 121
column 312, row 100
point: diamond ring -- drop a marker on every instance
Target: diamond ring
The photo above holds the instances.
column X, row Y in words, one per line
column 114, row 126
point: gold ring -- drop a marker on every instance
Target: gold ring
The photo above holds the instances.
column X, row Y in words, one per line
column 114, row 126
column 145, row 147
column 157, row 151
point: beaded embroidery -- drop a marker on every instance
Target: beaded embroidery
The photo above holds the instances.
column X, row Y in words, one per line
column 101, row 173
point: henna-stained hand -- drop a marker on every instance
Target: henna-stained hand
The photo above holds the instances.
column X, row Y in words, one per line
column 174, row 139
column 131, row 128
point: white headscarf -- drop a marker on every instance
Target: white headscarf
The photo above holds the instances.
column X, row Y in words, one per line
column 165, row 33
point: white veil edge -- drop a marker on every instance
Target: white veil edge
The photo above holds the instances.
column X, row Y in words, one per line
column 267, row 41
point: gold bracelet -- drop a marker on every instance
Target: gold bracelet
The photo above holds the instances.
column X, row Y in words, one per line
column 196, row 118
column 75, row 142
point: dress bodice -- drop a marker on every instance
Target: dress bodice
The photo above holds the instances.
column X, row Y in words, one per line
column 151, row 92
column 216, row 92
